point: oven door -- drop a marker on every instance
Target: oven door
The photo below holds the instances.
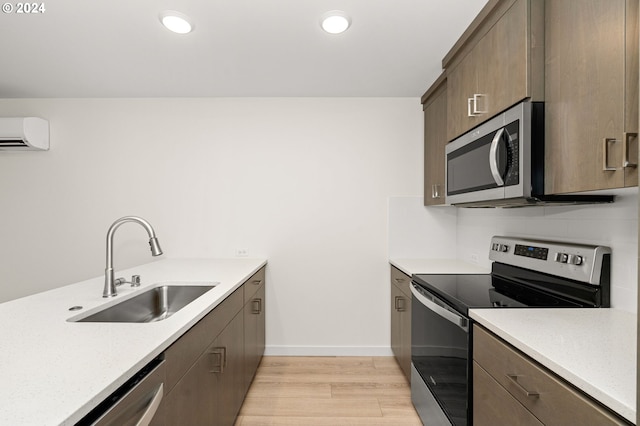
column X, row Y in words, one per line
column 440, row 359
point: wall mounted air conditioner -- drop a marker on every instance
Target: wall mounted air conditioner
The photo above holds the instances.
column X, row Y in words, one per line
column 24, row 133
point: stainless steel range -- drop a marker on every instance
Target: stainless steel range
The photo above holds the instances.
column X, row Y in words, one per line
column 524, row 273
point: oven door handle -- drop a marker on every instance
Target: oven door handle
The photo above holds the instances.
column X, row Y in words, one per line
column 456, row 319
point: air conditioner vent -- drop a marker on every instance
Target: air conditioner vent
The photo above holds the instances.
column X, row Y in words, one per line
column 24, row 133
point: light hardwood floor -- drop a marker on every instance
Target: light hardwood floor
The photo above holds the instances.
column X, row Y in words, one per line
column 328, row 391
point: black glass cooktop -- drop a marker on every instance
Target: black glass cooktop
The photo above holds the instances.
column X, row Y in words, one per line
column 506, row 287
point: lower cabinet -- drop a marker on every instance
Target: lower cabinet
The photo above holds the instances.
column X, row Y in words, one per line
column 511, row 388
column 212, row 391
column 254, row 336
column 210, row 368
column 401, row 320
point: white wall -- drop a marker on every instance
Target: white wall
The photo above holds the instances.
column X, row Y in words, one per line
column 303, row 182
column 614, row 225
column 416, row 231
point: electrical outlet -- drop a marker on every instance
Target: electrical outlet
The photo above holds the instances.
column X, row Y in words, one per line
column 474, row 258
column 242, row 252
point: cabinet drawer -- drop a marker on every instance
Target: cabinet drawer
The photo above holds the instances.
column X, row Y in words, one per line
column 253, row 284
column 493, row 405
column 402, row 280
column 550, row 399
column 181, row 355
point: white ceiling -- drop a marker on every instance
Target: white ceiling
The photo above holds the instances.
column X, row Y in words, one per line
column 118, row 48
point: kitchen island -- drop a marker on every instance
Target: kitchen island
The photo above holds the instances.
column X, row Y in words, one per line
column 55, row 371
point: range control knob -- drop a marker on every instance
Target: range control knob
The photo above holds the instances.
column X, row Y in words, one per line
column 561, row 258
column 500, row 247
column 574, row 259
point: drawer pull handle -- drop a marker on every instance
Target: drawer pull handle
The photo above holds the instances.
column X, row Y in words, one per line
column 514, row 380
column 605, row 154
column 437, row 186
column 399, row 304
column 256, row 308
column 220, row 355
column 625, row 150
column 256, row 282
column 475, row 111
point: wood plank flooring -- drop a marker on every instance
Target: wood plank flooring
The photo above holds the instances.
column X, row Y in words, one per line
column 328, row 391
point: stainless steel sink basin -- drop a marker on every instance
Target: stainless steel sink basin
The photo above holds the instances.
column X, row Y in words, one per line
column 155, row 304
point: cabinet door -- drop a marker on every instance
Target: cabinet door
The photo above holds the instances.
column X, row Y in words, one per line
column 187, row 349
column 504, row 66
column 405, row 335
column 228, row 373
column 401, row 329
column 212, row 391
column 396, row 323
column 191, row 401
column 502, row 62
column 435, row 140
column 261, row 341
column 632, row 75
column 254, row 334
column 586, row 63
column 462, row 84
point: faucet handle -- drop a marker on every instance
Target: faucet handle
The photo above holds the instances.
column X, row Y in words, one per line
column 135, row 281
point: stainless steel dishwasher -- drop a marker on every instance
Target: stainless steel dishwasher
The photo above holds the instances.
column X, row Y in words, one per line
column 137, row 402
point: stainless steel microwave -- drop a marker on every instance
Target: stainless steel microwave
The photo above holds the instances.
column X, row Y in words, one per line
column 501, row 163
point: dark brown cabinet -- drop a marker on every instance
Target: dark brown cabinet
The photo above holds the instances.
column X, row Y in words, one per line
column 254, row 326
column 212, row 390
column 401, row 319
column 496, row 63
column 434, row 104
column 210, row 368
column 591, row 95
column 226, row 362
column 579, row 57
column 511, row 388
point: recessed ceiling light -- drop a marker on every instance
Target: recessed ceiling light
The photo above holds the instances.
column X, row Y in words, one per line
column 335, row 22
column 176, row 22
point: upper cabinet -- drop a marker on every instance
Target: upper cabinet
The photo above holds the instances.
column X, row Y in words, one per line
column 579, row 57
column 591, row 95
column 434, row 104
column 497, row 62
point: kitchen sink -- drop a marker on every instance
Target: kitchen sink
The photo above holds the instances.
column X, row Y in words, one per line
column 155, row 304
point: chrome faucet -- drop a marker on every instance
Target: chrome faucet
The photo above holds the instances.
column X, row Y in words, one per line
column 110, row 281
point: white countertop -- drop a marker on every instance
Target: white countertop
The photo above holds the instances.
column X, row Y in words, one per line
column 54, row 371
column 593, row 349
column 437, row 266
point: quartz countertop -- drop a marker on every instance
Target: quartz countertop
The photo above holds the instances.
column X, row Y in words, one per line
column 593, row 349
column 437, row 266
column 55, row 371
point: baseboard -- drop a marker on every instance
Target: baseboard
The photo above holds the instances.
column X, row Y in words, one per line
column 328, row 351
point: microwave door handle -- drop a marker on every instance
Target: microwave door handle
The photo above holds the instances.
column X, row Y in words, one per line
column 493, row 157
column 444, row 313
